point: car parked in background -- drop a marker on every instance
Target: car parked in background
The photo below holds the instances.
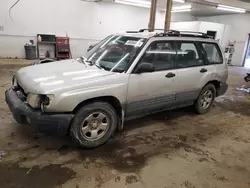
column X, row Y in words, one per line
column 125, row 76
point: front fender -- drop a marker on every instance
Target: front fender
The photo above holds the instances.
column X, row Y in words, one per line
column 67, row 101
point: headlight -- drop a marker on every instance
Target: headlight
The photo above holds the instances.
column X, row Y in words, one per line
column 46, row 101
column 39, row 101
column 34, row 100
column 14, row 82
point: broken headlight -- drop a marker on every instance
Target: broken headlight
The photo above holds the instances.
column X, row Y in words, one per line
column 34, row 100
column 46, row 101
column 39, row 101
column 14, row 82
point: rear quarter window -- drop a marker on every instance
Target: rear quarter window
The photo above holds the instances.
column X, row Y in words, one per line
column 213, row 53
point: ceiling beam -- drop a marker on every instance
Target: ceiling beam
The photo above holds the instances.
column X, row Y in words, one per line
column 152, row 17
column 168, row 15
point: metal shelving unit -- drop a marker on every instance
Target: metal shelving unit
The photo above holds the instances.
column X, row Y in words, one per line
column 229, row 52
column 46, row 46
column 62, row 48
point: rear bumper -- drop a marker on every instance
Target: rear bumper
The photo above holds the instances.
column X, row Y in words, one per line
column 23, row 113
column 223, row 89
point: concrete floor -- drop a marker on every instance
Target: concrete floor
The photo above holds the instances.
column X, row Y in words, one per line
column 176, row 149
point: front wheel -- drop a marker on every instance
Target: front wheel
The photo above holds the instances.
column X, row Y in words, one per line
column 205, row 99
column 94, row 124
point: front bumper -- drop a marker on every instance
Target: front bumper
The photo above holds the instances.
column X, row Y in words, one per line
column 44, row 122
column 223, row 89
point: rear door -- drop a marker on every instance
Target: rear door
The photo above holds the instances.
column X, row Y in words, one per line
column 214, row 57
column 192, row 71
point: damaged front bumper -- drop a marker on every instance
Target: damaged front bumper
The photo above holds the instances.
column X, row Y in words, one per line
column 44, row 122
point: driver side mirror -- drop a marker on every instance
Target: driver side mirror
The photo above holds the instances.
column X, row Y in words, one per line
column 145, row 67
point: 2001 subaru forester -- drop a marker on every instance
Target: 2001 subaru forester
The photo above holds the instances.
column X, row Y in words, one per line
column 125, row 76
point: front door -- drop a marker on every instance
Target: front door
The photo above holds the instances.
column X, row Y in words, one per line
column 150, row 92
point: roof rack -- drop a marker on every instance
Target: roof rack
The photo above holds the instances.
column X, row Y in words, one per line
column 143, row 30
column 174, row 33
column 196, row 33
column 184, row 34
column 132, row 31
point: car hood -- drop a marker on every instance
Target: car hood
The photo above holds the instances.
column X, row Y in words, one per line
column 49, row 77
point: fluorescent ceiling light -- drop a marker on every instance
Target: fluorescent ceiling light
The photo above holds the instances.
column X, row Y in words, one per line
column 140, row 3
column 184, row 8
column 179, row 1
column 230, row 8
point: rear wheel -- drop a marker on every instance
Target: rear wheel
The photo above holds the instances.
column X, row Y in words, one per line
column 94, row 124
column 205, row 99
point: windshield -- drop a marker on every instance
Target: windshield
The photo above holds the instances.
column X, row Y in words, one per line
column 115, row 53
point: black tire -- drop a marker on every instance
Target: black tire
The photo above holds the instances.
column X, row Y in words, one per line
column 198, row 107
column 247, row 78
column 83, row 113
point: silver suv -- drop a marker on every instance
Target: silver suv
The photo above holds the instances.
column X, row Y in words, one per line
column 125, row 76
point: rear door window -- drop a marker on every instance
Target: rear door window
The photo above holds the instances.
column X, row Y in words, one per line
column 188, row 55
column 213, row 53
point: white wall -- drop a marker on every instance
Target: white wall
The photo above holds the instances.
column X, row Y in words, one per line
column 200, row 26
column 209, row 26
column 186, row 26
column 184, row 16
column 84, row 22
column 240, row 28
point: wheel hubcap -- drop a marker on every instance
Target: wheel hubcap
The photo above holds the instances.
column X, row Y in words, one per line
column 206, row 99
column 95, row 126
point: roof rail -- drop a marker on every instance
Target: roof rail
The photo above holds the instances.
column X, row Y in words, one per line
column 184, row 34
column 132, row 31
column 174, row 33
column 143, row 30
column 196, row 33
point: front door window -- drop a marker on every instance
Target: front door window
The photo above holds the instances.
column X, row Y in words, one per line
column 161, row 55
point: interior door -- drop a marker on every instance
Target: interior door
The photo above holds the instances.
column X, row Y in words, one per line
column 150, row 92
column 192, row 71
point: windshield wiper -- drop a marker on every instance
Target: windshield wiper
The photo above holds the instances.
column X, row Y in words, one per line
column 92, row 63
column 82, row 59
column 85, row 61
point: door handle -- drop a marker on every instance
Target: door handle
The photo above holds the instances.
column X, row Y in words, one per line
column 170, row 75
column 203, row 70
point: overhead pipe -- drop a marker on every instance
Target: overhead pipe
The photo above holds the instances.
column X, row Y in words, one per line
column 151, row 24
